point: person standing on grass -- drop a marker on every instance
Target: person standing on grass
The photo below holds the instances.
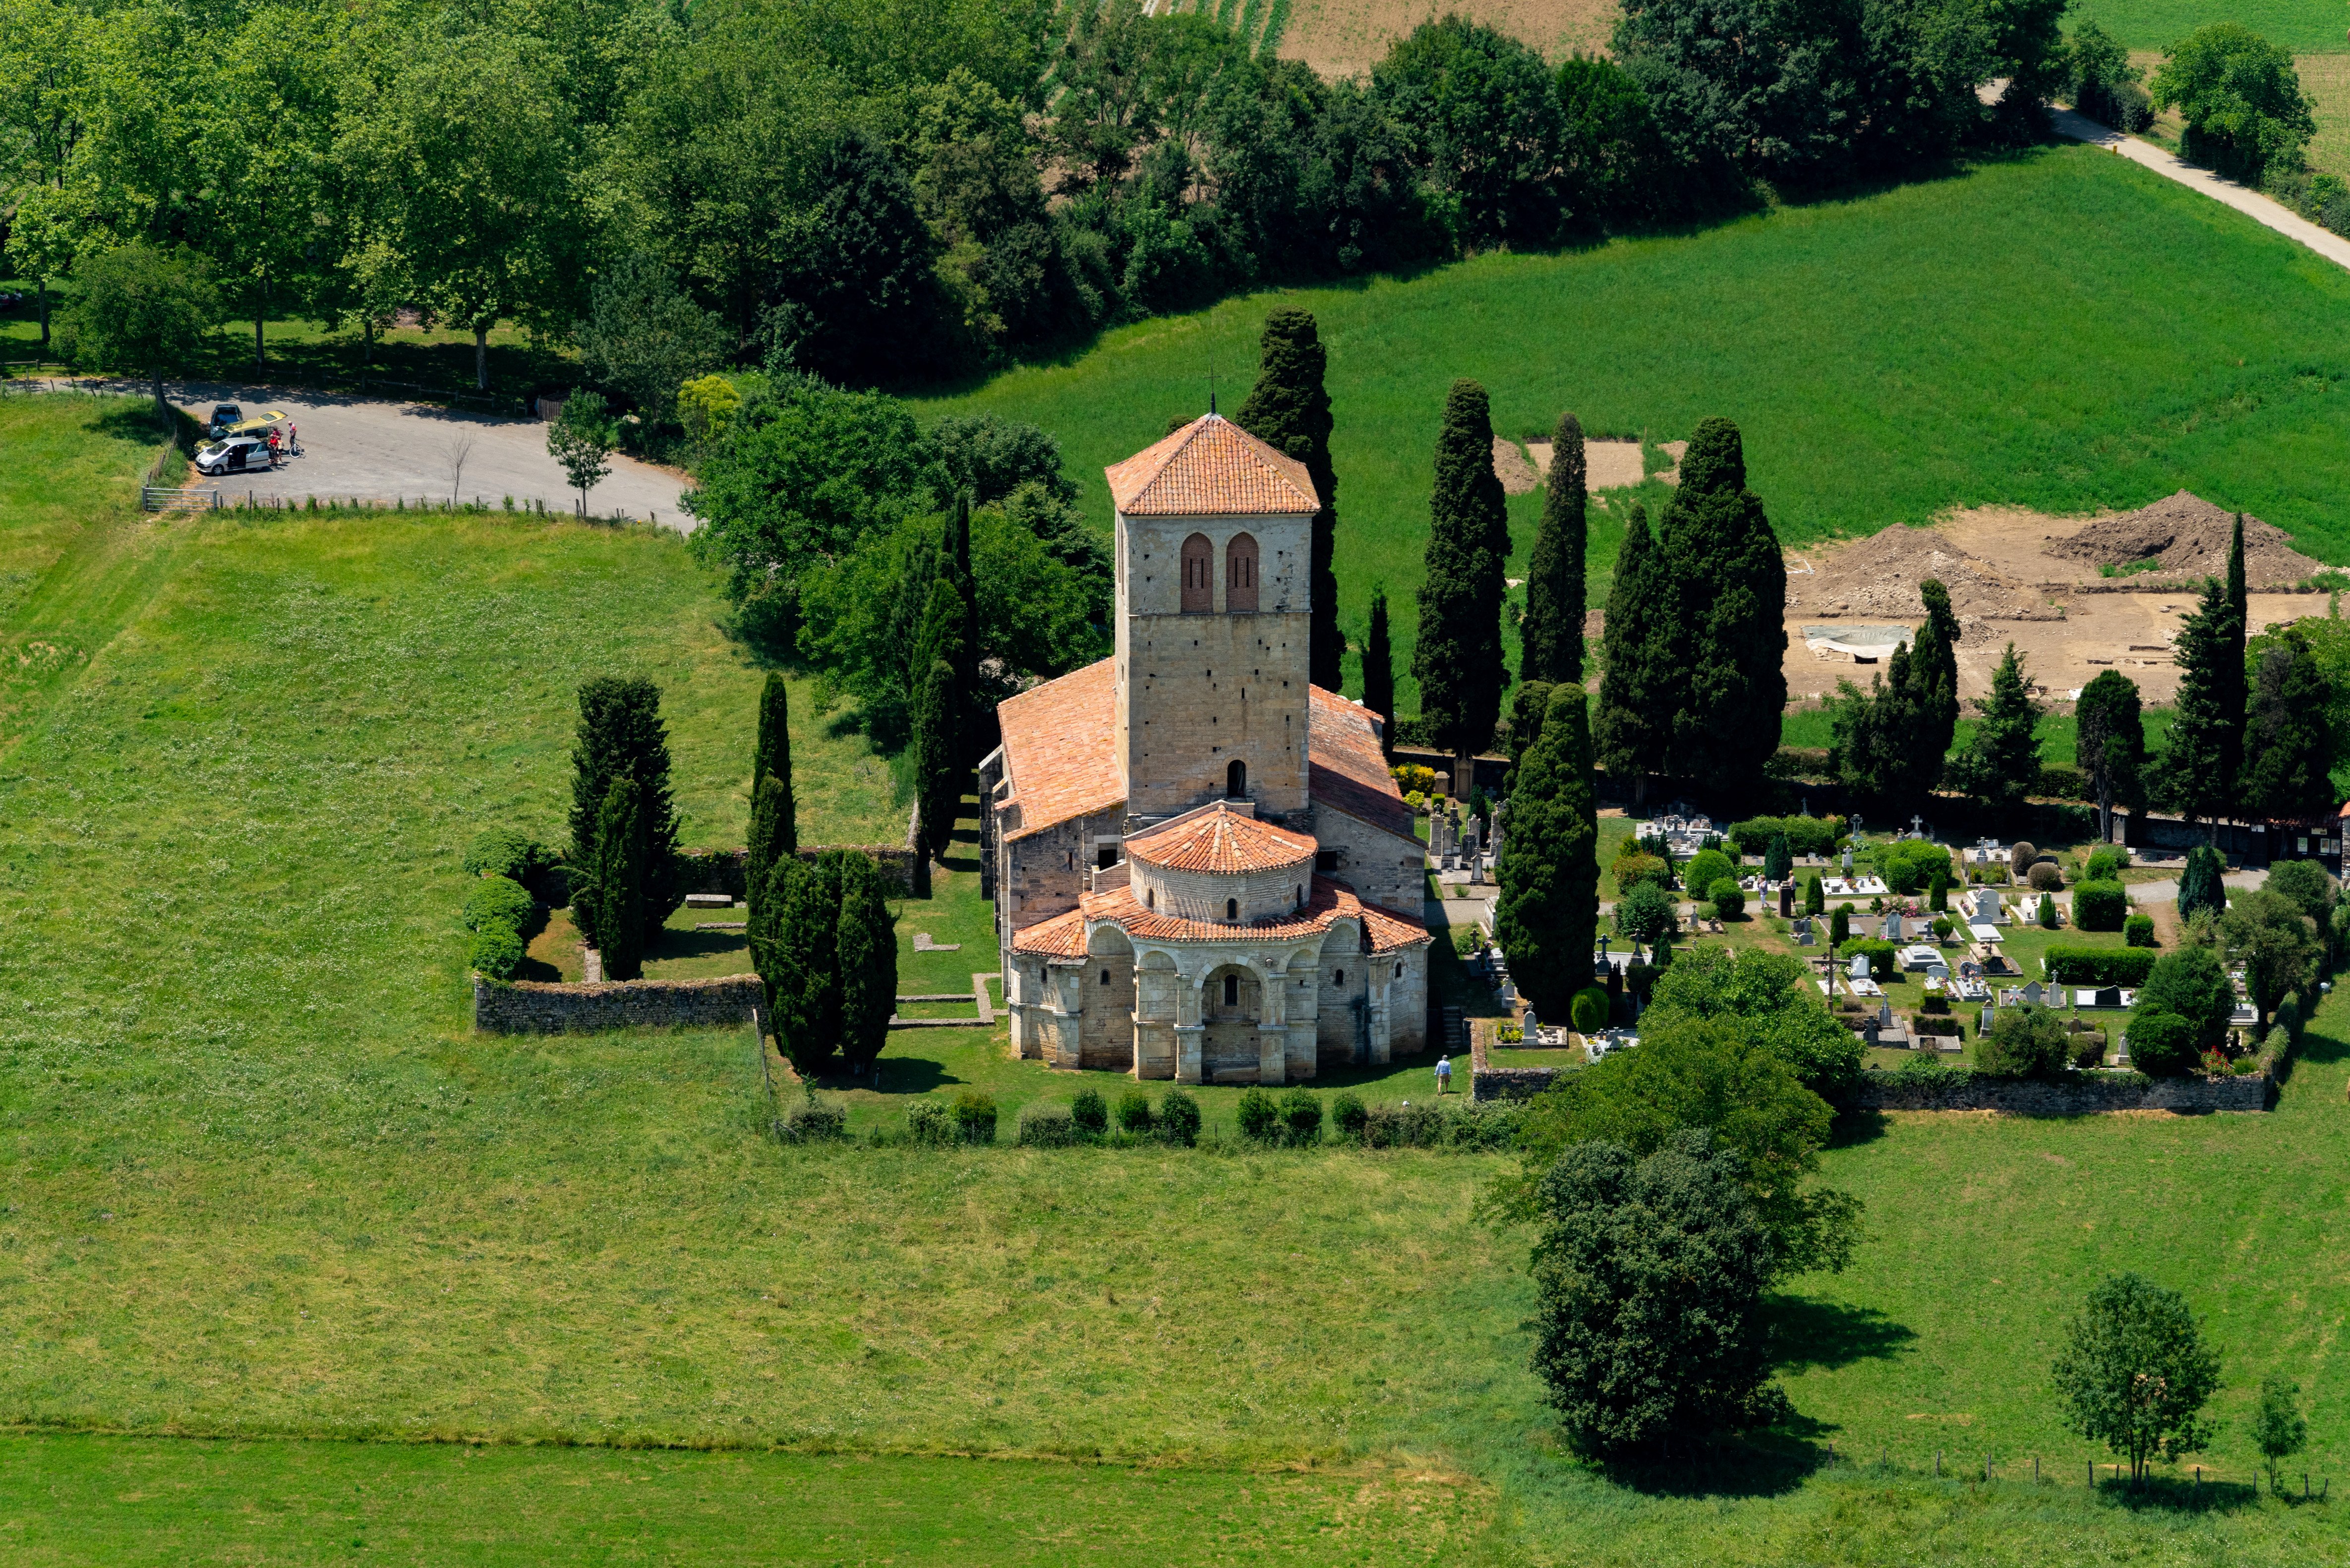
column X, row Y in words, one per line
column 1443, row 1075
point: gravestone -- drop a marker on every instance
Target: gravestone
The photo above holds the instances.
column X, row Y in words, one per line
column 1787, row 898
column 1893, row 926
column 2033, row 994
column 1847, row 861
column 1803, row 930
column 1858, row 967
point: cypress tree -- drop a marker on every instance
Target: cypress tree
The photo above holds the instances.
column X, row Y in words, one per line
column 1551, row 634
column 1548, row 914
column 1458, row 658
column 1815, row 895
column 2289, row 742
column 804, row 957
column 2196, row 777
column 1378, row 672
column 2201, row 882
column 621, row 735
column 1933, row 684
column 618, row 884
column 1633, row 726
column 1728, row 581
column 771, row 752
column 1528, row 704
column 774, row 827
column 2235, row 681
column 1778, row 859
column 937, row 783
column 2109, row 744
column 865, row 945
column 1289, row 410
column 2002, row 764
column 771, row 955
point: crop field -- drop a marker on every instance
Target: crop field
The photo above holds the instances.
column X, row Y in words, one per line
column 2124, row 338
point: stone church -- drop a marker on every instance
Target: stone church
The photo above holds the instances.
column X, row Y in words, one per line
column 1201, row 868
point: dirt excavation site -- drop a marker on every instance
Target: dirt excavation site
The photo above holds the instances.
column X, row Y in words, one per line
column 2035, row 581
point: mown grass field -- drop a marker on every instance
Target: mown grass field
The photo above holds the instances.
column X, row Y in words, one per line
column 2305, row 27
column 260, row 1181
column 2123, row 338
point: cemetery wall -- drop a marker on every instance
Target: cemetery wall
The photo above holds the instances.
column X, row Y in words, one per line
column 2071, row 1096
column 534, row 1007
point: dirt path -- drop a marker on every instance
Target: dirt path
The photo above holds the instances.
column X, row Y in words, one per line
column 2251, row 203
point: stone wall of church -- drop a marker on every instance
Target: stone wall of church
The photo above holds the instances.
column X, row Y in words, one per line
column 1343, row 1027
column 1381, row 869
column 1043, row 873
column 1203, row 896
column 1407, row 1001
column 1204, row 690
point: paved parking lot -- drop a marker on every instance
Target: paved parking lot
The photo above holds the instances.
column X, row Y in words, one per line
column 374, row 451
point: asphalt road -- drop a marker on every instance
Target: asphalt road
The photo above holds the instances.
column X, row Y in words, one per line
column 363, row 449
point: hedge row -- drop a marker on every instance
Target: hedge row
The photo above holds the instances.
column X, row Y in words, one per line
column 2100, row 966
column 2098, row 906
column 1806, row 834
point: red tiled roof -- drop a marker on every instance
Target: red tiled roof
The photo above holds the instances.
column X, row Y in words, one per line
column 1221, row 840
column 1390, row 930
column 1345, row 768
column 1211, row 467
column 1060, row 748
column 1326, row 901
column 1063, row 936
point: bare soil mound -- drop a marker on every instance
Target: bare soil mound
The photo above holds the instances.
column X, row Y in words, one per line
column 1511, row 468
column 1610, row 464
column 1879, row 576
column 2187, row 537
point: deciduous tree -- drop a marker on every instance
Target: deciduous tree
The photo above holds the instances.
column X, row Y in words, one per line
column 143, row 309
column 645, row 338
column 2109, row 744
column 2135, row 1373
column 2290, row 746
column 2241, row 99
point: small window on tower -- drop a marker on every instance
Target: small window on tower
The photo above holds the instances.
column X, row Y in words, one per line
column 1236, row 779
column 1231, row 908
column 1240, row 575
column 1341, row 977
column 1105, row 977
column 1199, row 583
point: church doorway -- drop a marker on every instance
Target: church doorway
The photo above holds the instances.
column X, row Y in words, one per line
column 1236, row 779
column 1230, row 999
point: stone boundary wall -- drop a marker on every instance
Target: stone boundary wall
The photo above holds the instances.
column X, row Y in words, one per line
column 1488, row 1084
column 2078, row 1096
column 536, row 1007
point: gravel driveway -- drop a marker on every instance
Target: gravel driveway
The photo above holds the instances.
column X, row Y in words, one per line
column 369, row 449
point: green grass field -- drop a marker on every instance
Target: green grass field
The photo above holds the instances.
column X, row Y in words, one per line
column 260, row 1181
column 1883, row 362
column 2305, row 27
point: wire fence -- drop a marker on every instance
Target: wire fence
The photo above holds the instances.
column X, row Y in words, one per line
column 2190, row 1482
column 479, row 505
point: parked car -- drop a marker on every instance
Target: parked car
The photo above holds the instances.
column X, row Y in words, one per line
column 225, row 415
column 238, row 454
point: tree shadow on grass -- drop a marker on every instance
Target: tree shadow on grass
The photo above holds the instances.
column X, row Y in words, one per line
column 1806, row 1334
column 895, row 1074
column 677, row 944
column 1769, row 1463
column 1852, row 1127
column 2178, row 1494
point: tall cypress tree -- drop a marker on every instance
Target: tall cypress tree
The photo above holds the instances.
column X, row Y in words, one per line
column 1458, row 659
column 774, row 827
column 1289, row 410
column 865, row 948
column 1730, row 582
column 802, row 971
column 1378, row 671
column 2235, row 682
column 2109, row 744
column 1528, row 704
column 1933, row 682
column 2289, row 742
column 621, row 735
column 618, row 884
column 1550, row 637
column 2196, row 777
column 938, row 782
column 1549, row 872
column 1633, row 725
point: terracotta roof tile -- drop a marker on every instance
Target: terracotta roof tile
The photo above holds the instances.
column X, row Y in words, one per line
column 1060, row 748
column 1327, row 901
column 1211, row 467
column 1223, row 841
column 1063, row 936
column 1390, row 930
column 1345, row 768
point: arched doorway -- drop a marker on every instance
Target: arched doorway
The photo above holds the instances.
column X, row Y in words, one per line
column 1230, row 1001
column 1236, row 779
column 1239, row 574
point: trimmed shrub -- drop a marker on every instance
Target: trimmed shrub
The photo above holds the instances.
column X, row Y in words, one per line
column 1179, row 1118
column 815, row 1122
column 1882, row 956
column 2089, row 1049
column 1840, row 925
column 2047, row 914
column 2099, row 966
column 1348, row 1114
column 929, row 1122
column 498, row 901
column 1259, row 1116
column 1728, row 899
column 1403, row 1126
column 1047, row 1126
column 1588, row 1010
column 1804, row 835
column 505, row 852
column 2161, row 1045
column 2045, row 876
column 498, row 951
column 2098, row 906
column 1634, row 867
column 974, row 1116
column 2139, row 931
column 1134, row 1112
column 2106, row 864
column 1301, row 1118
column 1706, row 867
column 2025, row 1042
column 2020, row 857
column 1090, row 1115
column 1941, row 1026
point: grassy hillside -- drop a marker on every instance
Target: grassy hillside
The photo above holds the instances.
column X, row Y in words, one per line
column 2311, row 26
column 1886, row 356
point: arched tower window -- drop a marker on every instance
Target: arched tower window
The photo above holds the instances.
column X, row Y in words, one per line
column 1232, row 990
column 1239, row 574
column 1198, row 581
column 1231, row 912
column 1236, row 779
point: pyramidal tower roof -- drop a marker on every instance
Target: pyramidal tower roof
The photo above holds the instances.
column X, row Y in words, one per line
column 1210, row 467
